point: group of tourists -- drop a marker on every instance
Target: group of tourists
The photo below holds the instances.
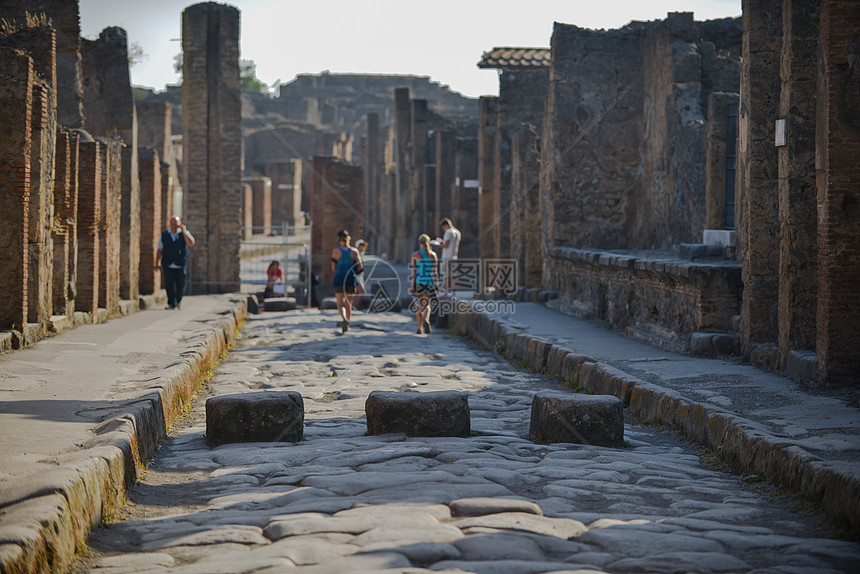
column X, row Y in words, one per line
column 347, row 264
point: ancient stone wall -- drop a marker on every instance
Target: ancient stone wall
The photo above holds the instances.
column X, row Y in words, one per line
column 404, row 206
column 247, row 211
column 372, row 163
column 445, row 153
column 525, row 223
column 838, row 182
column 151, row 220
column 337, row 202
column 212, row 145
column 281, row 143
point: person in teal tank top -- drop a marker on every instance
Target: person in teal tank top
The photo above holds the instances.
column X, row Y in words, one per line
column 425, row 277
column 346, row 263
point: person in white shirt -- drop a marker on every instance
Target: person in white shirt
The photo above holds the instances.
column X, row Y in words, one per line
column 450, row 242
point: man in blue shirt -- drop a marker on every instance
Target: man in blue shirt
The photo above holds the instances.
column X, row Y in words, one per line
column 172, row 259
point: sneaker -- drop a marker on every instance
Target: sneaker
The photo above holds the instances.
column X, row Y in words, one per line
column 345, row 326
column 427, row 326
column 170, row 308
column 179, row 305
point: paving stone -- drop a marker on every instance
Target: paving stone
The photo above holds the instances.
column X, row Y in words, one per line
column 559, row 527
column 255, row 417
column 576, row 418
column 482, row 506
column 681, row 562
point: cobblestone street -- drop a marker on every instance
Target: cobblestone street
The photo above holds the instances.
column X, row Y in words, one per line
column 493, row 503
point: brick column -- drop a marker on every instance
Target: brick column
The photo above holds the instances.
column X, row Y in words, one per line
column 419, row 202
column 488, row 107
column 838, row 182
column 757, row 173
column 129, row 280
column 151, row 224
column 337, row 202
column 372, row 163
column 715, row 159
column 65, row 218
column 247, row 211
column 212, row 145
column 16, row 90
column 402, row 207
column 109, row 227
column 92, row 156
column 798, row 251
column 464, row 200
column 40, row 249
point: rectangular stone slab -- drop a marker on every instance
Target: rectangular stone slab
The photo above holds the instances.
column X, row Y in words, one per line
column 442, row 413
column 271, row 416
column 581, row 419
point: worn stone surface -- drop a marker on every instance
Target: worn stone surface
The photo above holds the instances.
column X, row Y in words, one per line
column 342, row 500
column 579, row 419
column 275, row 416
column 443, row 413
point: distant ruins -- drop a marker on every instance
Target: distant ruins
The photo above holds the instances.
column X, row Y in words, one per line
column 693, row 184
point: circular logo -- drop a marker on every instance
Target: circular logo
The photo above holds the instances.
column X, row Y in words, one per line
column 381, row 283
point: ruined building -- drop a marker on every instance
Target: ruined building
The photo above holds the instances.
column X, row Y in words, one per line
column 689, row 189
column 74, row 226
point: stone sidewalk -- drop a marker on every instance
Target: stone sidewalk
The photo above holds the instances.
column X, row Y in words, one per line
column 494, row 502
column 758, row 422
column 81, row 411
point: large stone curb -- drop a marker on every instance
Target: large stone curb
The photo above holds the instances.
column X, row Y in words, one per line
column 46, row 519
column 744, row 445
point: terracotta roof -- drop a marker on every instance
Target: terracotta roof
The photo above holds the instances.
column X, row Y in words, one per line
column 515, row 58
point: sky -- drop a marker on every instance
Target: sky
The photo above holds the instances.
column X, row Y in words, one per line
column 442, row 39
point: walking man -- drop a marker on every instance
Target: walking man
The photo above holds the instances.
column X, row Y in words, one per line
column 172, row 259
column 450, row 242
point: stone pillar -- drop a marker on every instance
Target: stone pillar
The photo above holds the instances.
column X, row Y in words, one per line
column 487, row 128
column 247, row 211
column 337, row 202
column 129, row 227
column 446, row 151
column 838, row 182
column 798, row 251
column 109, row 226
column 419, row 204
column 286, row 176
column 40, row 249
column 212, row 145
column 65, row 222
column 151, row 219
column 16, row 92
column 92, row 156
column 502, row 195
column 715, row 158
column 402, row 208
column 465, row 198
column 525, row 221
column 757, row 173
column 372, row 164
column 261, row 213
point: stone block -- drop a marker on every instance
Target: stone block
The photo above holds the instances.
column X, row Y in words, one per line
column 272, row 416
column 694, row 251
column 802, row 366
column 442, row 413
column 581, row 419
column 279, row 304
column 714, row 344
column 253, row 304
column 328, row 303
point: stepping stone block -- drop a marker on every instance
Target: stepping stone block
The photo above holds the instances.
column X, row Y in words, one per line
column 279, row 304
column 582, row 419
column 272, row 416
column 442, row 413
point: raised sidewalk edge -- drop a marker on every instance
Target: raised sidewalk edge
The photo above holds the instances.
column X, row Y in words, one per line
column 742, row 444
column 42, row 526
